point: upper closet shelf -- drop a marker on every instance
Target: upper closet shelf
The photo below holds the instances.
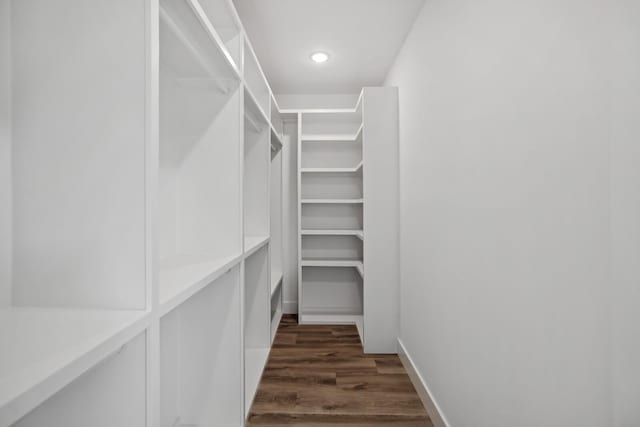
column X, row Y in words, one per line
column 44, row 349
column 276, row 281
column 333, row 137
column 356, row 109
column 276, row 140
column 193, row 49
column 183, row 276
column 254, row 113
column 332, row 201
column 355, row 169
column 253, row 243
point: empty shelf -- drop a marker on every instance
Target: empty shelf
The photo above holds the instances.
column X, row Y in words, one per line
column 182, row 276
column 254, row 112
column 331, row 201
column 276, row 281
column 276, row 140
column 355, row 169
column 358, row 233
column 44, row 349
column 253, row 243
column 318, row 316
column 332, row 263
column 191, row 45
column 334, row 137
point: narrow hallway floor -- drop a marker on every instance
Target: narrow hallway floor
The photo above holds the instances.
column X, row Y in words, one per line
column 318, row 376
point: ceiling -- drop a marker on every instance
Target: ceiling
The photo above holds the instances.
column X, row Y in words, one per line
column 362, row 38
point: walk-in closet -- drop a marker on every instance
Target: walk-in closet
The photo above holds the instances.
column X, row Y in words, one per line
column 319, row 213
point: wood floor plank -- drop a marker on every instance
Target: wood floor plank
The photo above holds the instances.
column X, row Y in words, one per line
column 318, row 375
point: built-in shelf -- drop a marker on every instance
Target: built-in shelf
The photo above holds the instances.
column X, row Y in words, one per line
column 358, row 233
column 328, row 262
column 331, row 201
column 354, row 169
column 360, row 268
column 191, row 32
column 44, row 349
column 276, row 282
column 182, row 276
column 253, row 243
column 333, row 137
column 254, row 111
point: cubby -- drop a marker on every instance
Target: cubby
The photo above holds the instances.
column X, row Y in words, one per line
column 200, row 357
column 73, row 285
column 200, row 148
column 257, row 321
column 257, row 136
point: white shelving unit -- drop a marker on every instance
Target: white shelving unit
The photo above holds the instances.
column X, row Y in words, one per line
column 347, row 193
column 277, row 226
column 140, row 214
column 331, row 216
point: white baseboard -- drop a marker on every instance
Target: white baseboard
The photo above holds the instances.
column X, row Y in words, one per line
column 434, row 411
column 290, row 307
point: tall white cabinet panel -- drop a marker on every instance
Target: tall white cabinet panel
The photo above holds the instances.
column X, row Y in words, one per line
column 77, row 164
column 5, row 156
column 348, row 219
column 381, row 227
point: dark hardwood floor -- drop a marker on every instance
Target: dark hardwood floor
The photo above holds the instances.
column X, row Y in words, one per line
column 318, row 376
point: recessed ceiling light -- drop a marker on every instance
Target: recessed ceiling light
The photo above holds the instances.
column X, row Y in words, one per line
column 319, row 57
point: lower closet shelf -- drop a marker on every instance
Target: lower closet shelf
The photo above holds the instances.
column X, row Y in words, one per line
column 44, row 349
column 183, row 276
column 276, row 281
column 253, row 243
column 332, row 263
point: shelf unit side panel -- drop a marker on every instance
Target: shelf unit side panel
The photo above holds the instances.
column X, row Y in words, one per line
column 257, row 297
column 276, row 241
column 78, row 165
column 256, row 182
column 381, row 226
column 5, row 157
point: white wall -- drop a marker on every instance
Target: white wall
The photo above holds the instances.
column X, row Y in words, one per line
column 625, row 215
column 5, row 158
column 505, row 218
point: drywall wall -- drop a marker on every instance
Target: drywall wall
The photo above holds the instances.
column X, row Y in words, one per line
column 504, row 210
column 5, row 158
column 625, row 214
column 290, row 217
